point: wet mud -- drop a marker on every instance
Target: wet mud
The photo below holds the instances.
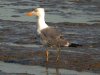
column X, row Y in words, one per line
column 19, row 43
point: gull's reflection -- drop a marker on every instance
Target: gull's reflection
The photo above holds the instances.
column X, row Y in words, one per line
column 56, row 70
column 47, row 70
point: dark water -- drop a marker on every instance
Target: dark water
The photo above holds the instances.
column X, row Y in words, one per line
column 19, row 43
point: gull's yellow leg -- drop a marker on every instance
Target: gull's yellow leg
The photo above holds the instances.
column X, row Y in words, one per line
column 58, row 54
column 47, row 55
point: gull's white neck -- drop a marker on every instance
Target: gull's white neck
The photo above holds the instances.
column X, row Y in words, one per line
column 41, row 23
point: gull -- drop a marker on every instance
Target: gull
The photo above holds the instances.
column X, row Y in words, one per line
column 50, row 36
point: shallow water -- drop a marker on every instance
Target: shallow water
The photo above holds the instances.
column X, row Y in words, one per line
column 57, row 11
column 37, row 70
column 19, row 44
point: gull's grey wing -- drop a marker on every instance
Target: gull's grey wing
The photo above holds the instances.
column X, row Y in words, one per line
column 51, row 33
column 52, row 37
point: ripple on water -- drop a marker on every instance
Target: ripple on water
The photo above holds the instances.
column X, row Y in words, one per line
column 66, row 11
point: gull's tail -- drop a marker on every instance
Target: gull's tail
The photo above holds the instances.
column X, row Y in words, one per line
column 75, row 45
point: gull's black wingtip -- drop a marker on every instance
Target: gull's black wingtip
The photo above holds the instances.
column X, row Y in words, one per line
column 75, row 45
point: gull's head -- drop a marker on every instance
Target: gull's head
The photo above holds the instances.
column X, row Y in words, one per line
column 39, row 12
